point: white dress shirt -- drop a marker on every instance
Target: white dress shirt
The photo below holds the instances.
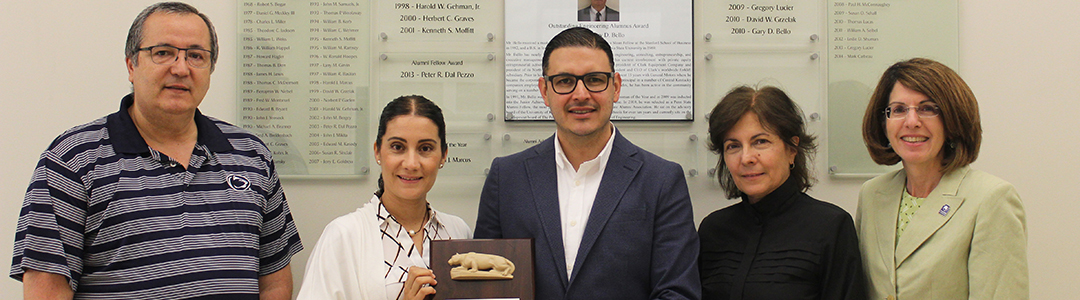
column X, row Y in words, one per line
column 577, row 192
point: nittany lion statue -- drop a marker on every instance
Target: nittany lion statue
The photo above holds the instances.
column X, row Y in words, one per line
column 479, row 266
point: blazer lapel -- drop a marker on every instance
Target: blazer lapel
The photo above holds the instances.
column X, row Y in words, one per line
column 622, row 167
column 887, row 203
column 938, row 208
column 543, row 180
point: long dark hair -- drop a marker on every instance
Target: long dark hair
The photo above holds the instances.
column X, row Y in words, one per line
column 410, row 105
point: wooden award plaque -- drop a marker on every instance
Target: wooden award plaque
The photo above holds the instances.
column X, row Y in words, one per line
column 518, row 251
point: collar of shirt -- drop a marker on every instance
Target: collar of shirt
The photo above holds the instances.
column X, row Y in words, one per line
column 775, row 202
column 126, row 138
column 588, row 167
column 392, row 227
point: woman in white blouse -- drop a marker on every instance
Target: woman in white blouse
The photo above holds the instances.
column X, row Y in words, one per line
column 380, row 251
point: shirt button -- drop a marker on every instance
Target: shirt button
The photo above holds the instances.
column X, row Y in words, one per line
column 577, row 182
column 573, row 223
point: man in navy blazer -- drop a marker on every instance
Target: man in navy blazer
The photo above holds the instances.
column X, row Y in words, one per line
column 609, row 219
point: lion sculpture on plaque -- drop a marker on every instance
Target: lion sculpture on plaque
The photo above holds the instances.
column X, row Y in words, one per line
column 480, row 266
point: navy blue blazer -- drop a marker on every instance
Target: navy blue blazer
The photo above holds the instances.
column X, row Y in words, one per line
column 639, row 242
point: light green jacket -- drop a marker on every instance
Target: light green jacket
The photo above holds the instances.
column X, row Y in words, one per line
column 968, row 240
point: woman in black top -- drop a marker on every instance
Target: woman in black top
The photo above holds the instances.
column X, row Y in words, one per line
column 778, row 242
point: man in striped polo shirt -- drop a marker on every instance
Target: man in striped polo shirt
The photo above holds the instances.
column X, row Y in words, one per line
column 157, row 201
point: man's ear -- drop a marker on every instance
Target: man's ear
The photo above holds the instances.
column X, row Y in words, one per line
column 131, row 68
column 616, row 84
column 542, row 85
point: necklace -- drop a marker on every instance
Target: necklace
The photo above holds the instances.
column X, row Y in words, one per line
column 412, row 233
column 427, row 214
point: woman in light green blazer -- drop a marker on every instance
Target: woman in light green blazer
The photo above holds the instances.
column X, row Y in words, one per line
column 935, row 229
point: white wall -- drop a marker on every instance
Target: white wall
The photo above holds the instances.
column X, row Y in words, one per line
column 62, row 65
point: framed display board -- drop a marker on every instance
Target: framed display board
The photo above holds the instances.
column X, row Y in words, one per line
column 652, row 44
column 865, row 38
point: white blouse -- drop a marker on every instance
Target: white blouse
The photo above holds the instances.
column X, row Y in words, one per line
column 359, row 248
column 400, row 251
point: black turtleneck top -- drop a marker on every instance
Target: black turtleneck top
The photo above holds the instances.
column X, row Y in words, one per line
column 787, row 246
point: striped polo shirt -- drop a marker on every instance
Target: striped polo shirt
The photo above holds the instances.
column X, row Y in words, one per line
column 123, row 221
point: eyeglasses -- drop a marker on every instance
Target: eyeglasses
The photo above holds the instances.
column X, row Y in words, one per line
column 165, row 54
column 899, row 111
column 566, row 83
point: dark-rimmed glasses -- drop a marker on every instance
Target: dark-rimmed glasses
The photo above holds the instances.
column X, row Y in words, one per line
column 566, row 83
column 165, row 54
column 900, row 111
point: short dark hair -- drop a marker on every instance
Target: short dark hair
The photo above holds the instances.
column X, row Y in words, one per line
column 415, row 105
column 135, row 33
column 577, row 37
column 959, row 112
column 778, row 114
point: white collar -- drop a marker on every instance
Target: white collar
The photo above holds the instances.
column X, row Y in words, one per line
column 600, row 161
column 384, row 215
